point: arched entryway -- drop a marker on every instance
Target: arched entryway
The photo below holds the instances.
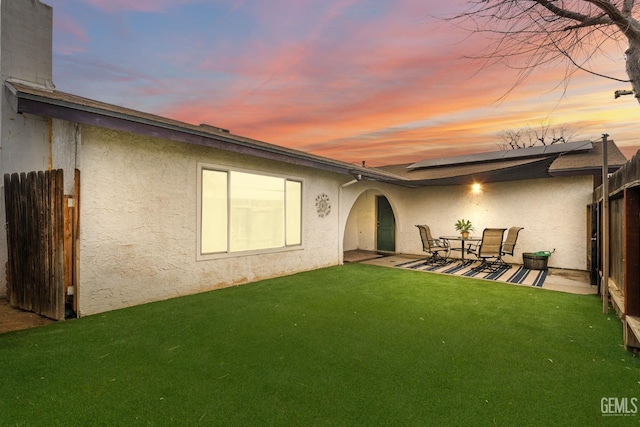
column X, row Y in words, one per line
column 371, row 224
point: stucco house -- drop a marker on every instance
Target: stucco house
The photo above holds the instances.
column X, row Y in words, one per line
column 165, row 208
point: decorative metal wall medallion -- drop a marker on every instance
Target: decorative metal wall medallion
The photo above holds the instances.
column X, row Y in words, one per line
column 323, row 205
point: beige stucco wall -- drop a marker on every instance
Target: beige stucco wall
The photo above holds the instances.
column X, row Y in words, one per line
column 360, row 227
column 138, row 222
column 138, row 204
column 552, row 212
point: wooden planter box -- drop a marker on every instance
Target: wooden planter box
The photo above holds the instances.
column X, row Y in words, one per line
column 535, row 262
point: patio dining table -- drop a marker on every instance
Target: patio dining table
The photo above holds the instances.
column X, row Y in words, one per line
column 462, row 244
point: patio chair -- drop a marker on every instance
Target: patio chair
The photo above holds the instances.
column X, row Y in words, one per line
column 509, row 245
column 489, row 250
column 434, row 247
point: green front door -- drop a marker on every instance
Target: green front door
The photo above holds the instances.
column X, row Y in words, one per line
column 386, row 225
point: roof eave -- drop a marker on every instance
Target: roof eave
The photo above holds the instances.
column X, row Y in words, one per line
column 23, row 102
column 583, row 171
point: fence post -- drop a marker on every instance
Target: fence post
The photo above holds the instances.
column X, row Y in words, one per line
column 605, row 225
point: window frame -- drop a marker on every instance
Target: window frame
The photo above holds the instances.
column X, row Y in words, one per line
column 202, row 166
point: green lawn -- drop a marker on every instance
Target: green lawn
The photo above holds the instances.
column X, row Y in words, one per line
column 354, row 345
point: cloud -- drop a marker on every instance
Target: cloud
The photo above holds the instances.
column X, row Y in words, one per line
column 112, row 6
column 377, row 81
column 66, row 24
column 71, row 35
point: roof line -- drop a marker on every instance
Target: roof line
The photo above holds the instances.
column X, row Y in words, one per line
column 48, row 103
column 492, row 156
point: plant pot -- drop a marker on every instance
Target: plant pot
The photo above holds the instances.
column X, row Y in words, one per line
column 464, row 234
column 535, row 262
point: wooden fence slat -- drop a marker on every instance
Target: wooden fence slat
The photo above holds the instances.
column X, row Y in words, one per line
column 10, row 217
column 46, row 210
column 22, row 240
column 59, row 288
column 40, row 242
column 624, row 246
column 34, row 205
column 32, row 245
column 76, row 239
column 631, row 251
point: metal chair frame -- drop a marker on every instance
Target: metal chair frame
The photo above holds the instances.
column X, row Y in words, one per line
column 489, row 250
column 509, row 245
column 433, row 246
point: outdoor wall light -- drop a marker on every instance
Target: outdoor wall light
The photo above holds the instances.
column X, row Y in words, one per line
column 476, row 188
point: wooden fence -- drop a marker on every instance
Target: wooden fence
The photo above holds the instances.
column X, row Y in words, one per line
column 624, row 247
column 35, row 213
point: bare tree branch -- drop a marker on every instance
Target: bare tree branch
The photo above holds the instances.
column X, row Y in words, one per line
column 530, row 137
column 564, row 13
column 528, row 34
column 627, row 6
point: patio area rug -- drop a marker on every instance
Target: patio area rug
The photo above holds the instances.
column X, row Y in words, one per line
column 516, row 274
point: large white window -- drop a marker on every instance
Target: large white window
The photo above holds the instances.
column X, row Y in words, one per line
column 243, row 211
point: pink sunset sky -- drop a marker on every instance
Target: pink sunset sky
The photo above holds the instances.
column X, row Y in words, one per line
column 377, row 81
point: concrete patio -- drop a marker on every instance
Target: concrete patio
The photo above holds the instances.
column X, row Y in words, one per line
column 571, row 281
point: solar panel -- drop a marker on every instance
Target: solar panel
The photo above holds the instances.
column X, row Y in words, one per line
column 520, row 153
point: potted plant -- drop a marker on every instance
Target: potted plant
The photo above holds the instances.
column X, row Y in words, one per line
column 536, row 260
column 464, row 226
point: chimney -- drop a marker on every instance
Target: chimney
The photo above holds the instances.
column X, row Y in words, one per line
column 26, row 42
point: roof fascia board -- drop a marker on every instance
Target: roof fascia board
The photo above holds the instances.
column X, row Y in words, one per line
column 142, row 128
column 23, row 102
column 583, row 171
